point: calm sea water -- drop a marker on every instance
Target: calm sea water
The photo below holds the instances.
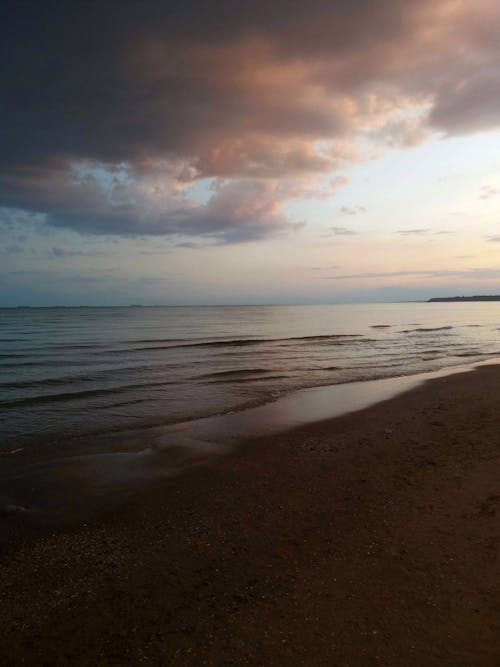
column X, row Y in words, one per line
column 73, row 373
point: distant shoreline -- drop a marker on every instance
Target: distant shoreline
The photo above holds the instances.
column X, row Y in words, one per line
column 493, row 297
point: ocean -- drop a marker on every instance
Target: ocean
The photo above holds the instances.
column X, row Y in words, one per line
column 96, row 402
column 68, row 374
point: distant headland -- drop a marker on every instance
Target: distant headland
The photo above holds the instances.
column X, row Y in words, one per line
column 492, row 297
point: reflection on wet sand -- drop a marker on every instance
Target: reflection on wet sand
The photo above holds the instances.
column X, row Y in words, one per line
column 70, row 488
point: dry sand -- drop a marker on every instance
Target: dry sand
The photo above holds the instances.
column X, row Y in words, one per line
column 371, row 539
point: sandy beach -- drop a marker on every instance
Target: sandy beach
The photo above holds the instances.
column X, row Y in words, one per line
column 368, row 539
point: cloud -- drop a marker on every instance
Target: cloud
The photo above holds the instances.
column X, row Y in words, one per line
column 338, row 182
column 188, row 244
column 342, row 231
column 404, row 132
column 352, row 210
column 100, row 200
column 12, row 249
column 165, row 251
column 479, row 273
column 324, row 268
column 487, row 192
column 155, row 96
column 493, row 239
column 413, row 232
column 51, row 279
column 57, row 251
column 472, row 103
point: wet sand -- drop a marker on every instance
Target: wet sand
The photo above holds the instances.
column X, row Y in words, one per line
column 368, row 539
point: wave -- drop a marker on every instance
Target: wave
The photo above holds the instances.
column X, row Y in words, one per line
column 248, row 379
column 158, row 340
column 31, row 384
column 238, row 342
column 120, row 404
column 348, row 341
column 477, row 354
column 426, row 329
column 159, row 348
column 234, row 373
column 57, row 347
column 77, row 395
column 49, row 362
column 260, row 341
column 374, row 368
column 13, row 355
column 19, row 364
column 92, row 375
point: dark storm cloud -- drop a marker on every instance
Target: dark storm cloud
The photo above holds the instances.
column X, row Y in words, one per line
column 85, row 79
column 173, row 92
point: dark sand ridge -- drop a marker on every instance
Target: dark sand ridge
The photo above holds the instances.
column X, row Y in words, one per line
column 368, row 539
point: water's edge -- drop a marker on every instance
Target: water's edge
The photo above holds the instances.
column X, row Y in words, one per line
column 69, row 489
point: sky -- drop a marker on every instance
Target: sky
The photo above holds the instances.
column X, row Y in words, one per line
column 248, row 152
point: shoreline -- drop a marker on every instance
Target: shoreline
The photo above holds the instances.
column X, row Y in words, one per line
column 52, row 492
column 370, row 538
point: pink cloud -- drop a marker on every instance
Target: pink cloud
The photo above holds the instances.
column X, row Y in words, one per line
column 271, row 97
